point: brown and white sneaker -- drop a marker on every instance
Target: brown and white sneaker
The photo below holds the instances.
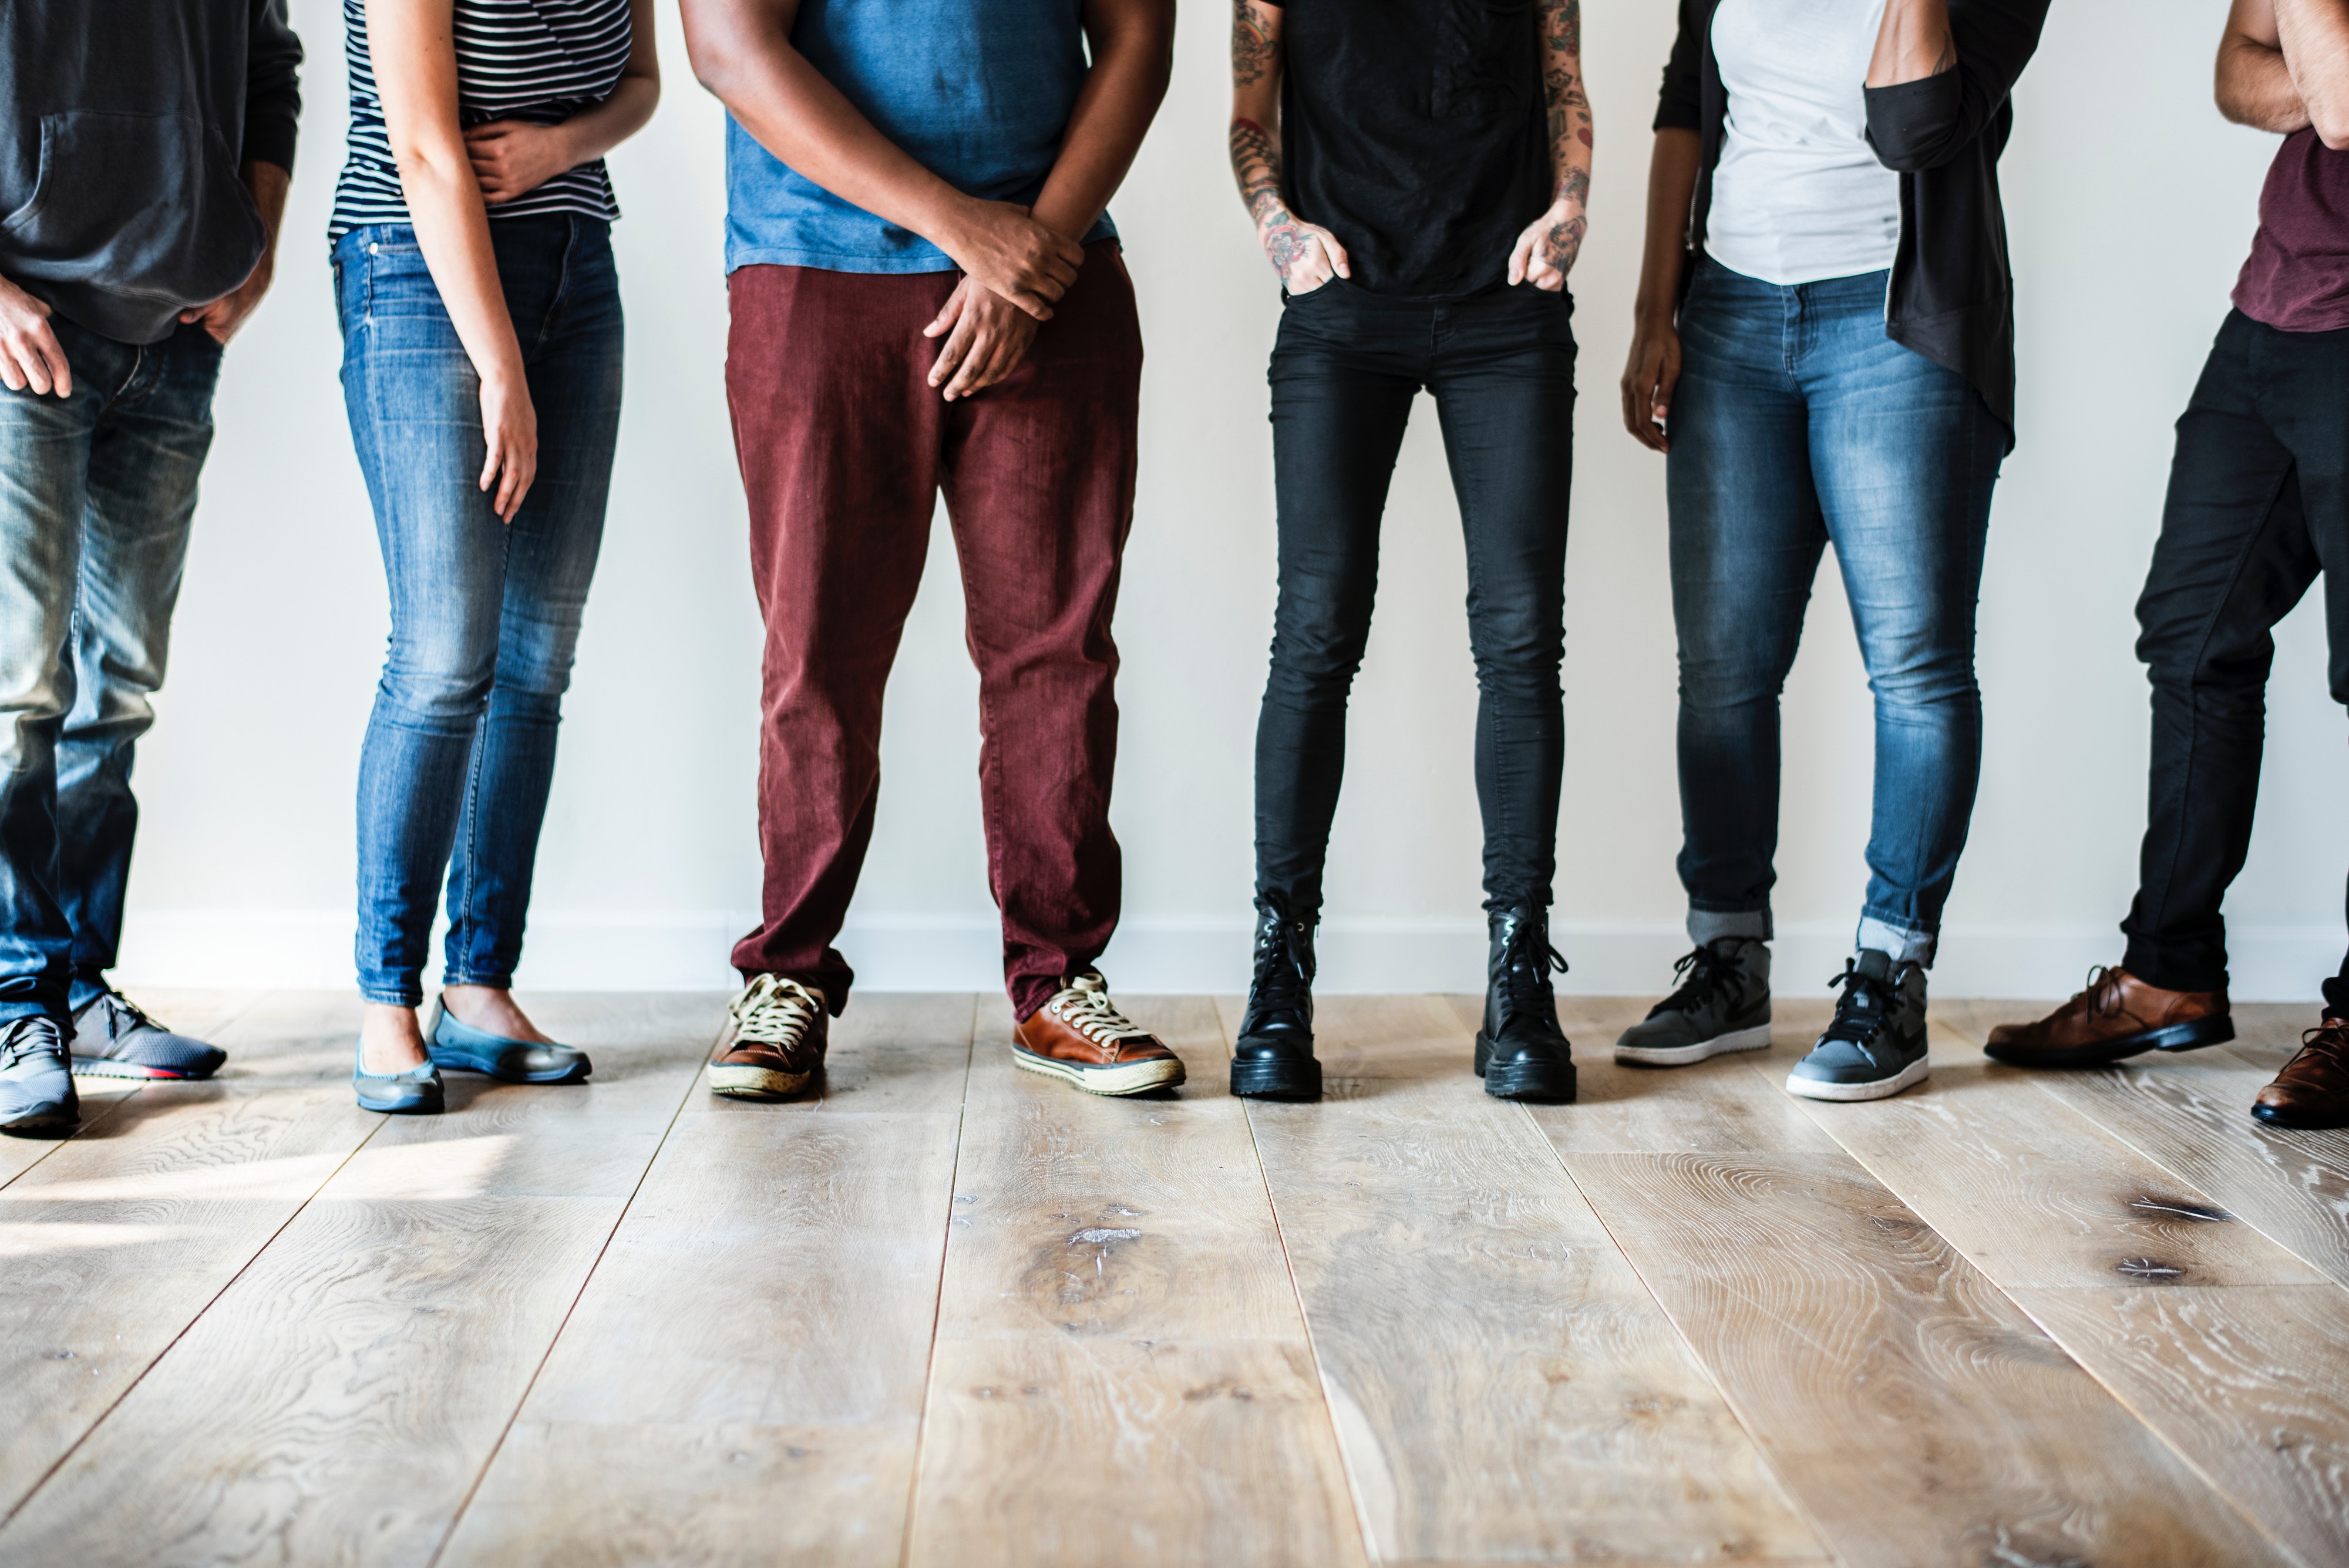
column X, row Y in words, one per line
column 773, row 1045
column 2117, row 1016
column 1081, row 1037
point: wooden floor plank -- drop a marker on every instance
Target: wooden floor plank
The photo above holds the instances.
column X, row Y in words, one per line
column 1506, row 1388
column 2191, row 1114
column 741, row 1382
column 1914, row 1412
column 1122, row 1372
column 111, row 1246
column 336, row 1402
column 2251, row 1383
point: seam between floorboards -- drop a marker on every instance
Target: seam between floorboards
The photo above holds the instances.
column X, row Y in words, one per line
column 482, row 1474
column 2052, row 1336
column 1769, row 1467
column 181, row 1333
column 937, row 1301
column 1305, row 1319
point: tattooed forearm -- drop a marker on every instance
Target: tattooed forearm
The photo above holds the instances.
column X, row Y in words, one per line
column 1252, row 45
column 1256, row 163
column 1569, row 107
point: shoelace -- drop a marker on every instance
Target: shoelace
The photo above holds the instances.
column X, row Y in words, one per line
column 1281, row 980
column 1528, row 961
column 120, row 1007
column 1701, row 974
column 2328, row 1039
column 1085, row 1007
column 775, row 1012
column 1860, row 1012
column 2101, row 996
column 25, row 1039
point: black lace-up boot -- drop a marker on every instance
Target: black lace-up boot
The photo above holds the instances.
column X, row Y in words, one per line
column 1521, row 1053
column 1273, row 1059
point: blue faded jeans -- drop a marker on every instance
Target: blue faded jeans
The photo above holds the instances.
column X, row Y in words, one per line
column 485, row 615
column 1798, row 423
column 98, row 492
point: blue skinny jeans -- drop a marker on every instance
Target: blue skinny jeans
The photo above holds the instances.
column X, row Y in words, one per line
column 1796, row 423
column 485, row 615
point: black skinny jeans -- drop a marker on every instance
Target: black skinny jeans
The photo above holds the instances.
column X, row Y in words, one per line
column 1344, row 371
column 2258, row 509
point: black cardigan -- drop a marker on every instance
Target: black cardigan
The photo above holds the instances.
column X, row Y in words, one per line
column 1952, row 297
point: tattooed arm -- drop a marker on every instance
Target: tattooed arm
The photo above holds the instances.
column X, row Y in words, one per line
column 1545, row 252
column 1306, row 255
column 1913, row 43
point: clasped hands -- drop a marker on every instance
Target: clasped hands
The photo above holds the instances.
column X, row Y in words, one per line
column 1014, row 270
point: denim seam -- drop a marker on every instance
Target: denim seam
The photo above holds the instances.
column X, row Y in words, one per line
column 460, row 928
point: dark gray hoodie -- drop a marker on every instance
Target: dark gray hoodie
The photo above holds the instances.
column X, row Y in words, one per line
column 122, row 125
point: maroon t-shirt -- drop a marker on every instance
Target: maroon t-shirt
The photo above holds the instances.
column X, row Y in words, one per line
column 2297, row 278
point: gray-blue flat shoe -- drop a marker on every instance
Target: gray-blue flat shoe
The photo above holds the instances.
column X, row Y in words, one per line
column 458, row 1046
column 414, row 1093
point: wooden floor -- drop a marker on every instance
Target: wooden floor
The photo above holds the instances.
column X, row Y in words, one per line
column 951, row 1313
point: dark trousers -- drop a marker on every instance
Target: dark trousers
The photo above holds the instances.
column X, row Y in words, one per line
column 2258, row 509
column 1344, row 371
column 845, row 449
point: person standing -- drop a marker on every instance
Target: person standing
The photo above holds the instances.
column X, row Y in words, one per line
column 1824, row 345
column 481, row 361
column 927, row 296
column 145, row 150
column 1418, row 178
column 2258, row 510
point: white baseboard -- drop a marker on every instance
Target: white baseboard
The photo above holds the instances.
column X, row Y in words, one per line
column 585, row 951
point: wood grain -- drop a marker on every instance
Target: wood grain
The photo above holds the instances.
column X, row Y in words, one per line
column 2250, row 1384
column 1917, row 1416
column 2190, row 1115
column 1121, row 1371
column 741, row 1382
column 1505, row 1387
column 337, row 1401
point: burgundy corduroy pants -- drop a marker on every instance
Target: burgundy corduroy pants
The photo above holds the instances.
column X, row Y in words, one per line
column 844, row 450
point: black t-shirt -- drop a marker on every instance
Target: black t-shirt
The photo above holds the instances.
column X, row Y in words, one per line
column 1415, row 131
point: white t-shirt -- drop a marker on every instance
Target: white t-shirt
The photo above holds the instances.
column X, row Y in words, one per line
column 1799, row 194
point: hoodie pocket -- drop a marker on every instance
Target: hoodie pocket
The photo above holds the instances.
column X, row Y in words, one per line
column 144, row 204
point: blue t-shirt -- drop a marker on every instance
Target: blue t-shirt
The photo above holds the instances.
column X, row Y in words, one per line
column 979, row 92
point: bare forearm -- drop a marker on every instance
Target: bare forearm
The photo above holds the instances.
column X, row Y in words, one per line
column 267, row 184
column 2314, row 39
column 1133, row 56
column 2254, row 87
column 1912, row 43
column 452, row 230
column 742, row 52
column 1671, row 190
column 593, row 133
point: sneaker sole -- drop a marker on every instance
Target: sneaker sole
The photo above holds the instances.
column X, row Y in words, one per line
column 1113, row 1080
column 56, row 1121
column 108, row 1067
column 739, row 1083
column 1293, row 1079
column 1754, row 1039
column 1915, row 1072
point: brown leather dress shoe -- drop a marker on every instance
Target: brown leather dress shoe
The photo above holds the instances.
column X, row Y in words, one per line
column 1081, row 1038
column 2312, row 1090
column 2117, row 1016
column 773, row 1045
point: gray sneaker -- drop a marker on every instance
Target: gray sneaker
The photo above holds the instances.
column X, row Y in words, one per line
column 1876, row 1047
column 113, row 1039
column 1723, row 1004
column 36, row 1088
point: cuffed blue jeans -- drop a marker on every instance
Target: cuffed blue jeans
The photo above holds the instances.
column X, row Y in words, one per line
column 98, row 492
column 1796, row 423
column 485, row 615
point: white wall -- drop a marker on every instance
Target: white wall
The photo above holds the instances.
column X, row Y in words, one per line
column 2130, row 202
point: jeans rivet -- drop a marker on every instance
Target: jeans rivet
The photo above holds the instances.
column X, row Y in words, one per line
column 373, row 247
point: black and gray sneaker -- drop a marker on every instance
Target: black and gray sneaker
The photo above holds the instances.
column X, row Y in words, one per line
column 1876, row 1047
column 1273, row 1058
column 113, row 1038
column 36, row 1086
column 1521, row 1053
column 1723, row 1004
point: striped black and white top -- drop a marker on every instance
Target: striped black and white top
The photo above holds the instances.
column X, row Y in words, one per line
column 537, row 60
